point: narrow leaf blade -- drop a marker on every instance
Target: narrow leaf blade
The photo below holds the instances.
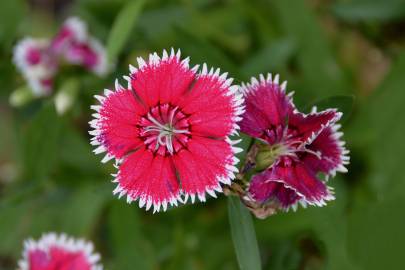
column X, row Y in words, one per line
column 243, row 235
column 122, row 27
column 379, row 10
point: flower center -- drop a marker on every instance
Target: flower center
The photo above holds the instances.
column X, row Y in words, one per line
column 165, row 129
column 284, row 144
column 33, row 56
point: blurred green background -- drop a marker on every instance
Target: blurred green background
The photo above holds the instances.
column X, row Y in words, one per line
column 51, row 181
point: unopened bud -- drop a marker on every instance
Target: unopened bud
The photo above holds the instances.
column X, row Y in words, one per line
column 65, row 97
column 21, row 96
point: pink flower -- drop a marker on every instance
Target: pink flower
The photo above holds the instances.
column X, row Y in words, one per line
column 58, row 252
column 29, row 53
column 73, row 30
column 39, row 59
column 90, row 54
column 301, row 145
column 169, row 131
column 77, row 47
column 32, row 58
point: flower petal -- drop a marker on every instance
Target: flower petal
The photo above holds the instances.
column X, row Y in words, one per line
column 299, row 178
column 161, row 80
column 54, row 251
column 267, row 105
column 310, row 125
column 262, row 188
column 212, row 104
column 90, row 54
column 149, row 178
column 115, row 128
column 29, row 52
column 36, row 64
column 333, row 155
column 73, row 30
column 205, row 164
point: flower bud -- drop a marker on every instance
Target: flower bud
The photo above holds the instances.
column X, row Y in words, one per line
column 21, row 96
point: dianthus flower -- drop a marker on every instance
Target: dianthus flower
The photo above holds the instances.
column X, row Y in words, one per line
column 58, row 252
column 76, row 46
column 169, row 131
column 90, row 54
column 34, row 60
column 73, row 30
column 295, row 146
column 39, row 59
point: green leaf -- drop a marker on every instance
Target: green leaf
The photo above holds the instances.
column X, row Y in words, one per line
column 21, row 216
column 84, row 207
column 379, row 129
column 7, row 144
column 11, row 15
column 202, row 51
column 376, row 237
column 382, row 10
column 271, row 58
column 40, row 143
column 76, row 152
column 343, row 103
column 316, row 69
column 37, row 211
column 376, row 222
column 12, row 226
column 122, row 27
column 129, row 248
column 243, row 235
column 327, row 224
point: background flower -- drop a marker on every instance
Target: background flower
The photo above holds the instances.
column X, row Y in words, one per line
column 90, row 54
column 76, row 46
column 58, row 252
column 37, row 64
column 39, row 59
column 72, row 31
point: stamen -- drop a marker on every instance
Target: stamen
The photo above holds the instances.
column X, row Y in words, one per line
column 156, row 122
column 183, row 131
column 152, row 129
column 163, row 133
column 171, row 116
column 169, row 144
column 159, row 139
column 287, row 148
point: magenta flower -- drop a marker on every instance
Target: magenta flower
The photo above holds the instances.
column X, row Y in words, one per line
column 90, row 54
column 39, row 59
column 75, row 46
column 169, row 131
column 58, row 252
column 72, row 31
column 299, row 145
column 32, row 58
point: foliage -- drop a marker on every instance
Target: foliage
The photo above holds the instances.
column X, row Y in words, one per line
column 243, row 234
